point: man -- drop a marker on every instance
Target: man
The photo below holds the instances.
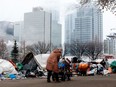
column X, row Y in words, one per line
column 52, row 64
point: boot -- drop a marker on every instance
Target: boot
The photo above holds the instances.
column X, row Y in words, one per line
column 48, row 81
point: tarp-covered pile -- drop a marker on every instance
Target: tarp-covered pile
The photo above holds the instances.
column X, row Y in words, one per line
column 113, row 66
column 7, row 67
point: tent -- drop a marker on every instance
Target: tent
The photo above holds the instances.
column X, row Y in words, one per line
column 34, row 64
column 29, row 62
column 41, row 59
column 7, row 67
column 38, row 60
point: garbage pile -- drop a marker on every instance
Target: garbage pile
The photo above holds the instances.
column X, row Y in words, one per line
column 31, row 67
column 28, row 68
column 95, row 67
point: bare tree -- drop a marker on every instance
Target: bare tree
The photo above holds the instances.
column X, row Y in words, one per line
column 77, row 48
column 94, row 49
column 39, row 48
column 102, row 4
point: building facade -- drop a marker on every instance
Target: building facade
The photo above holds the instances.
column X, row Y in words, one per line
column 56, row 35
column 37, row 26
column 18, row 27
column 85, row 26
column 110, row 45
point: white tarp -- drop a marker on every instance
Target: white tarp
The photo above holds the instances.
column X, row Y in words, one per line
column 42, row 59
column 109, row 60
column 7, row 67
column 98, row 60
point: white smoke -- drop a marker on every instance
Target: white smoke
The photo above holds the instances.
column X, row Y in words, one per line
column 63, row 6
column 58, row 4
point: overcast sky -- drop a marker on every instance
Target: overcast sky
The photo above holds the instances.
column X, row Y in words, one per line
column 13, row 10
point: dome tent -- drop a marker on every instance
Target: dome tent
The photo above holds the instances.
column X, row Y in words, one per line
column 7, row 67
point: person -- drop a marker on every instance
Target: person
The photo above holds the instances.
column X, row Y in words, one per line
column 103, row 63
column 67, row 69
column 52, row 65
column 107, row 65
column 61, row 66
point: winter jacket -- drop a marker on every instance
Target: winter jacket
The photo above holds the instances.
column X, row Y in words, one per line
column 53, row 59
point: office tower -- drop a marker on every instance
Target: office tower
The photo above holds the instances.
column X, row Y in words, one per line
column 37, row 26
column 85, row 26
column 56, row 35
column 110, row 44
column 18, row 27
column 55, row 15
column 69, row 26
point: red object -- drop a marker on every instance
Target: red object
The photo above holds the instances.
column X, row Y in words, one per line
column 109, row 57
column 13, row 63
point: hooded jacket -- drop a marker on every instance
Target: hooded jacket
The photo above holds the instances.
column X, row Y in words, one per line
column 53, row 59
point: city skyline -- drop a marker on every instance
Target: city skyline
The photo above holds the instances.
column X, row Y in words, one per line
column 13, row 10
column 38, row 26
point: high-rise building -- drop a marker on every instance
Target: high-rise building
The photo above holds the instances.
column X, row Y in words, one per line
column 85, row 26
column 55, row 15
column 56, row 35
column 18, row 27
column 69, row 26
column 110, row 44
column 37, row 26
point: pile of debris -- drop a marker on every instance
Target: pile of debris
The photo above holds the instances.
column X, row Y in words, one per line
column 28, row 68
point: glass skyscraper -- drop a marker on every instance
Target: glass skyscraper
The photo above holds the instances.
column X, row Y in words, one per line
column 37, row 26
column 84, row 25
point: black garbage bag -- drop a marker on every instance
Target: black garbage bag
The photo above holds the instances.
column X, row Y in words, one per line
column 74, row 60
column 39, row 73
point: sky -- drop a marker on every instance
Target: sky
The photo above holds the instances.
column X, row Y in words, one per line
column 13, row 10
